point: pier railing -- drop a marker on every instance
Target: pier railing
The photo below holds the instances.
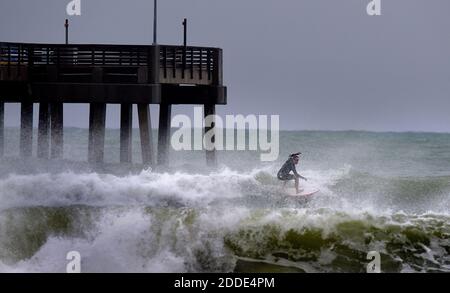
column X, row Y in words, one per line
column 118, row 63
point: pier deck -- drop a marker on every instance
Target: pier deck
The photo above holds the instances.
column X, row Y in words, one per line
column 55, row 74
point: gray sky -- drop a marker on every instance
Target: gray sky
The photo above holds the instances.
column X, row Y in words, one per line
column 320, row 64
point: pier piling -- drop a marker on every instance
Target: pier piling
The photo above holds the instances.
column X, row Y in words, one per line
column 2, row 129
column 43, row 131
column 165, row 114
column 211, row 160
column 97, row 128
column 56, row 133
column 126, row 133
column 145, row 129
column 26, row 129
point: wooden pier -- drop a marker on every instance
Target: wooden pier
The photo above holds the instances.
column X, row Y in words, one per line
column 52, row 75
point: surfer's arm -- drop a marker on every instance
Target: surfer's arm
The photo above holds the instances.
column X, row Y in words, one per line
column 296, row 173
column 300, row 176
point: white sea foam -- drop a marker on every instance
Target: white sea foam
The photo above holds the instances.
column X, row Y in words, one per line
column 177, row 222
column 101, row 189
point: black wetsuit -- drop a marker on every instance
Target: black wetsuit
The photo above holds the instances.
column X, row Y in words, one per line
column 285, row 171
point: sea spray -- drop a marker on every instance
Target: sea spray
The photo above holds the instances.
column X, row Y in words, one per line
column 180, row 222
column 383, row 192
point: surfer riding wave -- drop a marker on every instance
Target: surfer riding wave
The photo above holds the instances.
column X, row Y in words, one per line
column 289, row 166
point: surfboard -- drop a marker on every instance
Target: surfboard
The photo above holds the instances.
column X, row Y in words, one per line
column 304, row 193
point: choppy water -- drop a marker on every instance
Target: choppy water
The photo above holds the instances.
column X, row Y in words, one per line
column 387, row 192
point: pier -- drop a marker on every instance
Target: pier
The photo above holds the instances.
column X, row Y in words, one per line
column 52, row 75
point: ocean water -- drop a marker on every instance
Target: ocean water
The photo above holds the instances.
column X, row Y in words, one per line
column 385, row 192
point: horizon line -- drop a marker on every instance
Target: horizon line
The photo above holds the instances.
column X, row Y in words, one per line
column 282, row 130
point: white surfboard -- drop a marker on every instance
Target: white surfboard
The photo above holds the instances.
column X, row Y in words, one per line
column 303, row 193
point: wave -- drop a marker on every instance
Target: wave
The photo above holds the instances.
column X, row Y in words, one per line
column 95, row 189
column 217, row 240
column 223, row 221
column 334, row 242
column 412, row 194
column 343, row 188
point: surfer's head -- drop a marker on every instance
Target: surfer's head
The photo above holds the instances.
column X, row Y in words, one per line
column 295, row 158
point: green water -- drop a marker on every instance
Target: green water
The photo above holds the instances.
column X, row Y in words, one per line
column 385, row 192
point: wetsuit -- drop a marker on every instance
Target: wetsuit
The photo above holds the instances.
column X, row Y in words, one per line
column 284, row 173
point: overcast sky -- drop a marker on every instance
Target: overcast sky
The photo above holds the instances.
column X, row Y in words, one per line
column 319, row 64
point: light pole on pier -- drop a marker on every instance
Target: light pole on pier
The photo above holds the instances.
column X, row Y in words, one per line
column 66, row 26
column 155, row 22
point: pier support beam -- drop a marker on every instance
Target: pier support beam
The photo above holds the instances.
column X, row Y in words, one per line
column 26, row 129
column 145, row 129
column 2, row 129
column 211, row 160
column 126, row 133
column 43, row 131
column 165, row 114
column 57, row 132
column 97, row 121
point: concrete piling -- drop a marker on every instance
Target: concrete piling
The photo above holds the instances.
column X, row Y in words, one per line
column 165, row 113
column 26, row 129
column 57, row 132
column 126, row 133
column 211, row 159
column 97, row 129
column 43, row 131
column 145, row 129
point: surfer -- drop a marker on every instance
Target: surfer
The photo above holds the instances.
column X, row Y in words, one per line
column 285, row 172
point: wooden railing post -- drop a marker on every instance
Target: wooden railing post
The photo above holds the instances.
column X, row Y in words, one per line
column 165, row 61
column 2, row 128
column 174, row 62
column 184, row 62
column 153, row 63
column 9, row 61
column 48, row 55
column 30, row 62
column 218, row 67
column 58, row 62
column 201, row 65
column 209, row 65
column 192, row 63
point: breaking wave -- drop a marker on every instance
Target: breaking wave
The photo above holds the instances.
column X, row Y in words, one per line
column 223, row 221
